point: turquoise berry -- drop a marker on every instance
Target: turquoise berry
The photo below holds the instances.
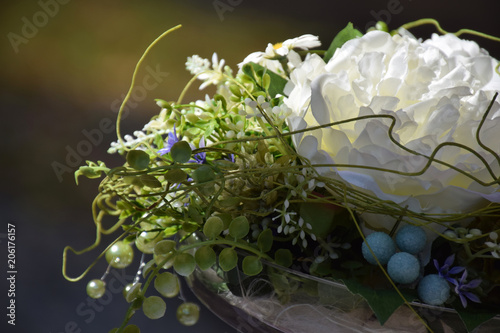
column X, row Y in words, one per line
column 403, row 268
column 433, row 290
column 381, row 244
column 411, row 239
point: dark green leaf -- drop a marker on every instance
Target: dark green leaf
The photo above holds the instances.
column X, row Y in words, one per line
column 176, row 176
column 257, row 72
column 205, row 257
column 150, row 181
column 283, row 257
column 239, row 227
column 343, row 36
column 383, row 302
column 474, row 315
column 265, row 240
column 138, row 159
column 251, row 265
column 181, row 152
column 228, row 259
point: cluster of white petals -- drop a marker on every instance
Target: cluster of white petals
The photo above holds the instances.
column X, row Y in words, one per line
column 437, row 91
column 270, row 57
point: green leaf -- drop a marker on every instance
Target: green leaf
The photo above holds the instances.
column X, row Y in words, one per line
column 228, row 259
column 203, row 174
column 257, row 73
column 154, row 307
column 283, row 257
column 164, row 247
column 251, row 265
column 176, row 176
column 239, row 227
column 343, row 36
column 474, row 315
column 138, row 159
column 265, row 240
column 383, row 302
column 131, row 329
column 213, row 227
column 181, row 152
column 205, row 257
column 150, row 181
column 184, row 264
column 167, row 284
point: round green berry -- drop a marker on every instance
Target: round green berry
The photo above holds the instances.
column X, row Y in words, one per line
column 433, row 290
column 403, row 268
column 120, row 255
column 96, row 288
column 382, row 246
column 188, row 314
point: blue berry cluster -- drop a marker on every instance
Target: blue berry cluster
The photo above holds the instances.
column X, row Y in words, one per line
column 403, row 267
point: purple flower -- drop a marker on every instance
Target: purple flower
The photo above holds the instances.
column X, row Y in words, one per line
column 446, row 270
column 171, row 140
column 200, row 158
column 462, row 289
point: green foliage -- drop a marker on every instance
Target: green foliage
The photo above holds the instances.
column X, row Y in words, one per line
column 154, row 307
column 283, row 257
column 213, row 227
column 184, row 264
column 138, row 159
column 176, row 176
column 150, row 181
column 205, row 257
column 181, row 152
column 228, row 259
column 164, row 247
column 383, row 302
column 346, row 34
column 267, row 80
column 251, row 265
column 474, row 315
column 265, row 240
column 167, row 284
column 203, row 174
column 239, row 227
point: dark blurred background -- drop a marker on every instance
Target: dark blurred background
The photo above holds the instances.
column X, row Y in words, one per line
column 66, row 66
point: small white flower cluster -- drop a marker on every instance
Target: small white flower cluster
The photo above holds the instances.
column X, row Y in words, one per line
column 290, row 226
column 493, row 245
column 270, row 57
column 133, row 141
column 199, row 66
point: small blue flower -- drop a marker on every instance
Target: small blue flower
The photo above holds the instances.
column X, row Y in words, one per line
column 171, row 140
column 462, row 289
column 200, row 158
column 446, row 270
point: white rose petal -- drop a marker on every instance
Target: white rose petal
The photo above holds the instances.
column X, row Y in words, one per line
column 437, row 91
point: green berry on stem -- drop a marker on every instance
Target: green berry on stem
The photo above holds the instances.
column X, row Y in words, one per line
column 188, row 313
column 96, row 288
column 120, row 255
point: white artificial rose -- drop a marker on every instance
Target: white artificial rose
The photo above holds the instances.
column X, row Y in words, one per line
column 437, row 91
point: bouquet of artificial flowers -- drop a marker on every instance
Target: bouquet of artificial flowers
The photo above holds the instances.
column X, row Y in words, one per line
column 375, row 161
